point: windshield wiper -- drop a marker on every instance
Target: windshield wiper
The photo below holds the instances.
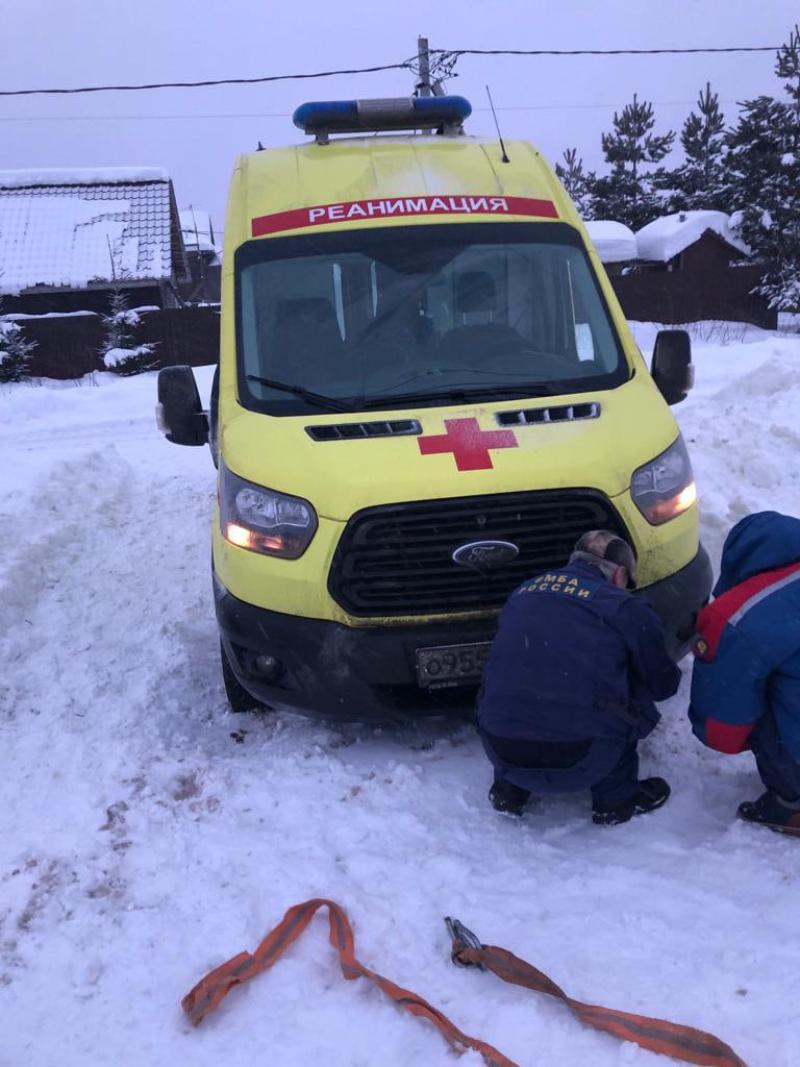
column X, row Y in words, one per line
column 318, row 399
column 464, row 395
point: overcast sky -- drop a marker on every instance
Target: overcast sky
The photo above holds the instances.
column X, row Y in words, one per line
column 196, row 133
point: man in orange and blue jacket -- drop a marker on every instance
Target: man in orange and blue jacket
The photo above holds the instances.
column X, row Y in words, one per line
column 746, row 681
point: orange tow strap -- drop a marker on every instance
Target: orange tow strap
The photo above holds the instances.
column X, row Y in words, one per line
column 209, row 991
column 681, row 1042
column 670, row 1039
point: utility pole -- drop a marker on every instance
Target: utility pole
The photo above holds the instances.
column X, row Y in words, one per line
column 424, row 63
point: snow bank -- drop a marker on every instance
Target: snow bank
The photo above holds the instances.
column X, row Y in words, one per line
column 668, row 236
column 147, row 835
column 614, row 241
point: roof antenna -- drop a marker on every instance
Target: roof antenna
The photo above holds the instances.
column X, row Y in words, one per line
column 504, row 158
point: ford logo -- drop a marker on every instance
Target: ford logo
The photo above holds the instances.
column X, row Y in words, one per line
column 484, row 554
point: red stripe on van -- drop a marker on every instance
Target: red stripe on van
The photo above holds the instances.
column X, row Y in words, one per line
column 402, row 207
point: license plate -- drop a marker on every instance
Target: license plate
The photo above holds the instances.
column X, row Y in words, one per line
column 451, row 664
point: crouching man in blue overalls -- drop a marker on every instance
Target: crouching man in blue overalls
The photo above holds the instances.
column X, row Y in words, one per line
column 570, row 685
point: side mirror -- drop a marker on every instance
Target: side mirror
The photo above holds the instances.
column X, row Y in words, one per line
column 179, row 412
column 671, row 367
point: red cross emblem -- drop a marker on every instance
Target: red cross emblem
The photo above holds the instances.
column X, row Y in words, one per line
column 468, row 442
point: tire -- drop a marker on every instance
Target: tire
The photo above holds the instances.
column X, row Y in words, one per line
column 238, row 697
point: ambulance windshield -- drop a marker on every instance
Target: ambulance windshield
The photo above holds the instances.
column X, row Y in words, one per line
column 420, row 315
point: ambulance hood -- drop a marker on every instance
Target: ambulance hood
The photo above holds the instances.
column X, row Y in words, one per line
column 457, row 451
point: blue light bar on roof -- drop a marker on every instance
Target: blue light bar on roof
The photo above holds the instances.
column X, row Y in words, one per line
column 401, row 113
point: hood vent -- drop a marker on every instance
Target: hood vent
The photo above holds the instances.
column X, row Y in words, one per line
column 538, row 416
column 348, row 431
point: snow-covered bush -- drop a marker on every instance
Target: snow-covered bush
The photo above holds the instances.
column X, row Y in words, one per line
column 16, row 352
column 120, row 352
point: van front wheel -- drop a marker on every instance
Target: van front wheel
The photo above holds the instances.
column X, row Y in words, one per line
column 238, row 697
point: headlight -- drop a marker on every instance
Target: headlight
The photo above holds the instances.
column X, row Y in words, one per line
column 664, row 488
column 262, row 520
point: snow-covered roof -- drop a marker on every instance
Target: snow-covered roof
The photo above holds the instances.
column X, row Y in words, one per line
column 670, row 235
column 73, row 228
column 197, row 229
column 615, row 243
column 23, row 179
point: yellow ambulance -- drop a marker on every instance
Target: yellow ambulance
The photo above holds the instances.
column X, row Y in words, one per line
column 427, row 391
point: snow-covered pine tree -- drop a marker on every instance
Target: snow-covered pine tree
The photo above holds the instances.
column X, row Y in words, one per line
column 16, row 352
column 699, row 183
column 577, row 181
column 629, row 193
column 120, row 352
column 764, row 174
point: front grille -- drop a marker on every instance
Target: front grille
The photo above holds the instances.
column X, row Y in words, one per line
column 397, row 559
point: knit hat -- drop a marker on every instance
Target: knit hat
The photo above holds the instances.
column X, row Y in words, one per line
column 605, row 545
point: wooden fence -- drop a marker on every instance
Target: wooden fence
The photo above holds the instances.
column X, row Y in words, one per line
column 680, row 296
column 69, row 346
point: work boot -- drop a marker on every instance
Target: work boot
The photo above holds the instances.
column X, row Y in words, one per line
column 506, row 798
column 652, row 793
column 773, row 811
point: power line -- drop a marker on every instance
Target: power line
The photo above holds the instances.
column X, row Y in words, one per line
column 405, row 65
column 284, row 115
column 443, row 55
column 446, row 52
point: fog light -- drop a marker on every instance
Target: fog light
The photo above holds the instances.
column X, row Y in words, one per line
column 267, row 666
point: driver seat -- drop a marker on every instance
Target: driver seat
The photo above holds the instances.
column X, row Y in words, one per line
column 476, row 308
column 305, row 331
column 476, row 297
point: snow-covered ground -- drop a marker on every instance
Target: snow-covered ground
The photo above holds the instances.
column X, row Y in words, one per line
column 146, row 834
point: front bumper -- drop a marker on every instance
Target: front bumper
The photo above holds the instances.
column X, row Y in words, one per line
column 332, row 671
column 367, row 674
